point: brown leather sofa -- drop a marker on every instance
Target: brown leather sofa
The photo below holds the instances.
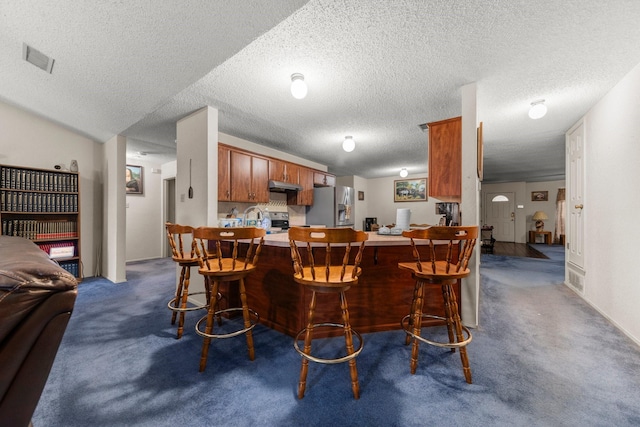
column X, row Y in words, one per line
column 36, row 300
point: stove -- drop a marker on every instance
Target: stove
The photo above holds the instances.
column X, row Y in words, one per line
column 279, row 220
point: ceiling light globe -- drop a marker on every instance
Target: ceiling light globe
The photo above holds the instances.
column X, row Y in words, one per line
column 348, row 144
column 538, row 110
column 404, row 172
column 298, row 86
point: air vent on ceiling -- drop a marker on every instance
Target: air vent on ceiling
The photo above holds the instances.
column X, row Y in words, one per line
column 37, row 58
column 423, row 127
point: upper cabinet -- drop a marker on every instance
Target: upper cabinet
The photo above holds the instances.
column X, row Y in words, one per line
column 303, row 197
column 445, row 159
column 249, row 178
column 244, row 176
column 224, row 174
column 323, row 179
column 284, row 171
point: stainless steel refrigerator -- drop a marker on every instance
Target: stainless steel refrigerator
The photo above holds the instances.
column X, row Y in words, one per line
column 332, row 207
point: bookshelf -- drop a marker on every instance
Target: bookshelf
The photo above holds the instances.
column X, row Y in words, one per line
column 43, row 206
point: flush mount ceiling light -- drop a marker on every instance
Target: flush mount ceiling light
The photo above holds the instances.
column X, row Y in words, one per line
column 348, row 144
column 538, row 109
column 404, row 172
column 298, row 86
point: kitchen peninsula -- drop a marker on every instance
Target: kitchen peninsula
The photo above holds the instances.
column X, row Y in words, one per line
column 381, row 298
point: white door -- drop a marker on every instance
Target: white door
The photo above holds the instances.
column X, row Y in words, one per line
column 500, row 212
column 575, row 196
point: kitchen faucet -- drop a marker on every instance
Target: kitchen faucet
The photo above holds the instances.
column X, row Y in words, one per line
column 250, row 208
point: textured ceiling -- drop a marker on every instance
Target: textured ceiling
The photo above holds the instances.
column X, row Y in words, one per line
column 375, row 70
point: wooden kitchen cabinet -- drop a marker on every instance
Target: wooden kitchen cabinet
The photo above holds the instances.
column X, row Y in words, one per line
column 303, row 197
column 321, row 179
column 284, row 171
column 445, row 159
column 224, row 174
column 249, row 178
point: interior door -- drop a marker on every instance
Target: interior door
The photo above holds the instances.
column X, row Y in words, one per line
column 500, row 213
column 575, row 196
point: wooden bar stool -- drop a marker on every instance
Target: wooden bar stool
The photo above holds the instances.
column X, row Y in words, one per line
column 216, row 268
column 327, row 277
column 186, row 260
column 443, row 273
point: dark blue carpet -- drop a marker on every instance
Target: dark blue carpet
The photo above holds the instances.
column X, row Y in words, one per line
column 541, row 357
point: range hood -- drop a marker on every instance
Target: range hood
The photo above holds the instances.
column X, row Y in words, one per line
column 281, row 186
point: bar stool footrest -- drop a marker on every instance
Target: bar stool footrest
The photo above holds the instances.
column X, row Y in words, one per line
column 172, row 304
column 252, row 313
column 409, row 330
column 328, row 361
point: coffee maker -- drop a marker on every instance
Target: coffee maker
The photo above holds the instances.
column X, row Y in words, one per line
column 368, row 222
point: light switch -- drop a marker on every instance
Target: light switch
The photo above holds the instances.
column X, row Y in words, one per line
column 182, row 198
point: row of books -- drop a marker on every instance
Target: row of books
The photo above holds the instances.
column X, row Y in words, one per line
column 27, row 179
column 33, row 229
column 48, row 246
column 71, row 266
column 17, row 201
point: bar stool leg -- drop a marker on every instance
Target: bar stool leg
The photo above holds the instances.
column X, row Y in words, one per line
column 417, row 324
column 348, row 336
column 407, row 339
column 448, row 313
column 457, row 322
column 307, row 347
column 210, row 316
column 178, row 295
column 247, row 319
column 186, row 275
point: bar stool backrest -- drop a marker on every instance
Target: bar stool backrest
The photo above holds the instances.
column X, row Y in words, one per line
column 209, row 242
column 467, row 235
column 174, row 234
column 325, row 237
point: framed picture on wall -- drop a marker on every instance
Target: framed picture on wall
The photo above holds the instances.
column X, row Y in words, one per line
column 134, row 183
column 410, row 190
column 539, row 196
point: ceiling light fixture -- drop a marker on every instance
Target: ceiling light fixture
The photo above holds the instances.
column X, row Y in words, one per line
column 348, row 144
column 404, row 172
column 538, row 109
column 298, row 86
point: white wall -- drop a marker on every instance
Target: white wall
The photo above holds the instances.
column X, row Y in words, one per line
column 30, row 141
column 380, row 204
column 611, row 203
column 145, row 228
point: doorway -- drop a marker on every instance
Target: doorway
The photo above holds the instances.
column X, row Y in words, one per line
column 169, row 197
column 500, row 213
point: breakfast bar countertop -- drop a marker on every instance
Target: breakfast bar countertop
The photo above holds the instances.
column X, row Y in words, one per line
column 375, row 239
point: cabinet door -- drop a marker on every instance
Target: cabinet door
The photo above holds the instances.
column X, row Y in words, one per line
column 224, row 174
column 445, row 159
column 292, row 173
column 241, row 177
column 283, row 171
column 277, row 170
column 304, row 197
column 260, row 180
column 321, row 179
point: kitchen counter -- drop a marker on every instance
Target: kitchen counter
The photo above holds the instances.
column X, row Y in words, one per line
column 282, row 239
column 378, row 303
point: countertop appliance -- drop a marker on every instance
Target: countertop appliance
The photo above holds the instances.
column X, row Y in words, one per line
column 332, row 207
